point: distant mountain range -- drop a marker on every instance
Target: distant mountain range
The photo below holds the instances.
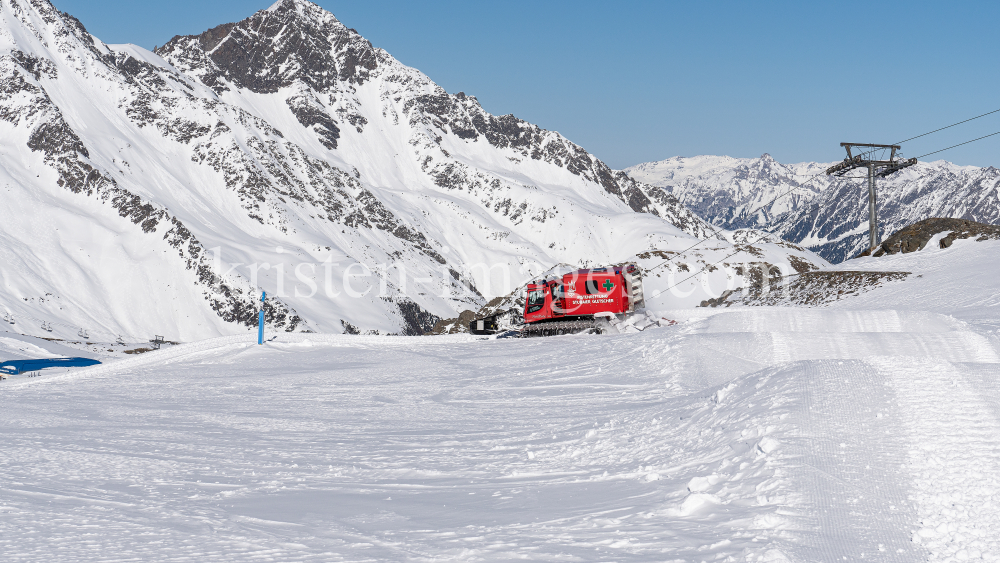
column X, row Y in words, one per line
column 828, row 215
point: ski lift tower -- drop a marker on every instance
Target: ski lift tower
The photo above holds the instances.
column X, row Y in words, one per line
column 876, row 169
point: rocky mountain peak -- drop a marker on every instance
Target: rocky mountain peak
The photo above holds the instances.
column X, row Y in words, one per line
column 301, row 7
column 764, row 167
column 766, row 163
column 293, row 40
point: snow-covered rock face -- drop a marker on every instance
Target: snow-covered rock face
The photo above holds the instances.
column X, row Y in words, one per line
column 338, row 86
column 160, row 192
column 825, row 214
column 84, row 241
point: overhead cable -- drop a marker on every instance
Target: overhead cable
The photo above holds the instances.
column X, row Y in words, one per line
column 960, row 144
column 946, row 127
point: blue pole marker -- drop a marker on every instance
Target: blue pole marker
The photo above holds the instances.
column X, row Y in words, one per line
column 260, row 319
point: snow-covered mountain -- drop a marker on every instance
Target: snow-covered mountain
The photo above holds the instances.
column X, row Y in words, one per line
column 159, row 192
column 825, row 214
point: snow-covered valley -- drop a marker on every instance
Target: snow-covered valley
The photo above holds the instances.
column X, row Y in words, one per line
column 867, row 429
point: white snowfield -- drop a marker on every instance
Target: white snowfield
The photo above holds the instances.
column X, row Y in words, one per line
column 864, row 432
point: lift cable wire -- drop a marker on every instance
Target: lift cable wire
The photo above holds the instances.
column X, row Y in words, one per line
column 952, row 125
column 960, row 144
column 942, row 129
column 866, row 153
column 934, row 131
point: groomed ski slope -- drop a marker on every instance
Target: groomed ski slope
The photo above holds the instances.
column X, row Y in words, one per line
column 765, row 434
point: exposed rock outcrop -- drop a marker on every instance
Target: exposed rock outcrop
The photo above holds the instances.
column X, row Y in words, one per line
column 916, row 236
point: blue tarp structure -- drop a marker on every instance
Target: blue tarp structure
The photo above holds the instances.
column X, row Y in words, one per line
column 15, row 367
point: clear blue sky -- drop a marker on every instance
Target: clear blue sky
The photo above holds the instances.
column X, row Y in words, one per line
column 640, row 81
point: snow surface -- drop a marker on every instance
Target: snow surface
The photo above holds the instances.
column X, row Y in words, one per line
column 861, row 433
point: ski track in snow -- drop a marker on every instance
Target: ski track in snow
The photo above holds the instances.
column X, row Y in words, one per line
column 851, row 468
column 954, row 457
